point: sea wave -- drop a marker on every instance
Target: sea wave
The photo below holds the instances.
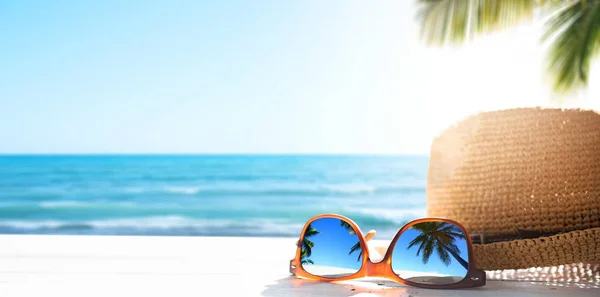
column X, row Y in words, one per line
column 218, row 189
column 280, row 224
column 399, row 216
column 159, row 225
column 366, row 211
column 183, row 190
column 206, row 195
column 277, row 189
column 83, row 204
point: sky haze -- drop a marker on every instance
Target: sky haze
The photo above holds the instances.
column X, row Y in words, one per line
column 247, row 77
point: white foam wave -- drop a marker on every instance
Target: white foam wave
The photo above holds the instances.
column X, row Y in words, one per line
column 55, row 204
column 32, row 224
column 81, row 204
column 351, row 188
column 186, row 190
column 182, row 190
column 150, row 222
column 396, row 215
column 253, row 187
column 253, row 226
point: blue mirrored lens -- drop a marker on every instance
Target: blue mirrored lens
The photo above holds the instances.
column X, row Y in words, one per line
column 433, row 253
column 331, row 248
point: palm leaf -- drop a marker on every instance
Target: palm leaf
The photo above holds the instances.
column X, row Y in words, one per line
column 442, row 254
column 422, row 246
column 443, row 238
column 307, row 246
column 419, row 239
column 455, row 21
column 573, row 26
column 455, row 233
column 438, row 237
column 347, row 226
column 427, row 251
column 575, row 35
column 303, row 254
column 451, row 228
column 310, row 231
column 425, row 227
column 307, row 261
column 355, row 248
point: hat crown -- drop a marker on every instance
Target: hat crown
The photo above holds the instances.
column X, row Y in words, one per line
column 526, row 168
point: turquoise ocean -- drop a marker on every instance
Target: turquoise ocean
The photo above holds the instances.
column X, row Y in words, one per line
column 206, row 195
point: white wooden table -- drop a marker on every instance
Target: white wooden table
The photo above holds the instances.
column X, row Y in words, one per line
column 83, row 266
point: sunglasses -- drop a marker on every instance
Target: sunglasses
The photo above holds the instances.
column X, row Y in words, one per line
column 428, row 253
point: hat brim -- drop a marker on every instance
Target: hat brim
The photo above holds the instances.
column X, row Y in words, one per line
column 582, row 246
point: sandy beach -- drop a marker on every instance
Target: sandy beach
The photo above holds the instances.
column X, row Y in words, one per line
column 32, row 265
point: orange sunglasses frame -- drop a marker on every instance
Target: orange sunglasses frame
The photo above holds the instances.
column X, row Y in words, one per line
column 383, row 269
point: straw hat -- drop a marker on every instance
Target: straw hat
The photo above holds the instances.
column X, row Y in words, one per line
column 526, row 183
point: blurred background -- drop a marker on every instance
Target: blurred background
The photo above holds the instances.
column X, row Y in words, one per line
column 223, row 195
column 232, row 118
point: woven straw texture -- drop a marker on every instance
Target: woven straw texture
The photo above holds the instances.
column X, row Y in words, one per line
column 530, row 168
column 571, row 247
column 583, row 275
column 527, row 168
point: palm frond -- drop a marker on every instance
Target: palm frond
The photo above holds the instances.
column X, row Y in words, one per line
column 443, row 238
column 303, row 254
column 451, row 230
column 419, row 239
column 455, row 21
column 575, row 34
column 421, row 247
column 355, row 248
column 456, row 234
column 425, row 227
column 307, row 262
column 428, row 250
column 442, row 254
column 347, row 226
column 573, row 26
column 307, row 246
column 310, row 231
column 308, row 243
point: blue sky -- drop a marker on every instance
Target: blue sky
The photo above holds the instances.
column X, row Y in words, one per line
column 244, row 77
column 331, row 246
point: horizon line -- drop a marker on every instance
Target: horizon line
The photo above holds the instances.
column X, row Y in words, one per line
column 213, row 154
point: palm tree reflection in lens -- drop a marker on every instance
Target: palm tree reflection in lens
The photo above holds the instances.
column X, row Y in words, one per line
column 431, row 252
column 439, row 237
column 307, row 245
column 355, row 247
column 325, row 245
